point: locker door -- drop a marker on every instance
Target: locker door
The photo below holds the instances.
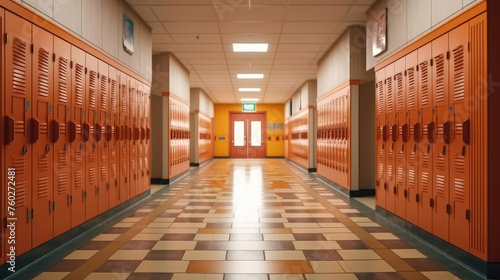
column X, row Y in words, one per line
column 427, row 128
column 401, row 137
column 413, row 149
column 390, row 149
column 102, row 141
column 43, row 150
column 77, row 146
column 147, row 145
column 16, row 124
column 140, row 142
column 60, row 132
column 441, row 138
column 382, row 136
column 112, row 138
column 91, row 137
column 133, row 142
column 460, row 96
column 123, row 143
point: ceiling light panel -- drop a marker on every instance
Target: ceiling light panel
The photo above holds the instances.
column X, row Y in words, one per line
column 249, row 89
column 244, row 47
column 250, row 76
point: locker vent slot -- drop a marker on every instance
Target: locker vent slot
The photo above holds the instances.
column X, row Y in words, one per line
column 43, row 74
column 459, row 190
column 425, row 181
column 459, row 74
column 440, row 162
column 411, row 88
column 424, row 83
column 78, row 157
column 19, row 163
column 459, row 128
column 411, row 177
column 79, row 82
column 389, row 171
column 62, row 181
column 146, row 106
column 44, row 128
column 380, row 97
column 425, row 160
column 78, row 179
column 113, row 170
column 43, row 187
column 63, row 80
column 19, row 127
column 133, row 101
column 440, row 185
column 400, row 91
column 123, row 99
column 459, row 164
column 62, row 128
column 93, row 89
column 400, row 175
column 390, row 96
column 92, row 176
column 113, row 95
column 104, row 92
column 63, row 159
column 381, row 170
column 19, row 49
column 104, row 174
column 43, row 162
column 92, row 156
column 440, row 79
column 20, row 194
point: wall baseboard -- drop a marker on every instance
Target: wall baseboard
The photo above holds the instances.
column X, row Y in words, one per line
column 160, row 181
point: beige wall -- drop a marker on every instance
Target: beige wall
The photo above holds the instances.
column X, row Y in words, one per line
column 199, row 101
column 100, row 22
column 409, row 19
column 305, row 96
column 367, row 131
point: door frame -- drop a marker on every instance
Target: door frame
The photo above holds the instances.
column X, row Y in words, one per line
column 264, row 128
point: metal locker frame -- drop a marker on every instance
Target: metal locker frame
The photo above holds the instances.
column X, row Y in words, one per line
column 140, row 141
column 402, row 131
column 103, row 185
column 112, row 136
column 390, row 148
column 147, row 142
column 123, row 144
column 381, row 137
column 133, row 144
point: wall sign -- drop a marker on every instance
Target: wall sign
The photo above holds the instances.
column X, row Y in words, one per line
column 249, row 107
column 379, row 33
column 128, row 34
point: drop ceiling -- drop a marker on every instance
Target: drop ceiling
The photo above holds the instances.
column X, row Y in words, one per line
column 200, row 34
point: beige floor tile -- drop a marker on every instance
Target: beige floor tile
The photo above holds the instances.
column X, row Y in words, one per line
column 246, row 225
column 81, row 254
column 284, row 255
column 384, row 236
column 331, row 225
column 212, row 237
column 131, row 220
column 175, row 245
column 286, row 277
column 321, row 230
column 170, row 230
column 284, row 237
column 439, row 275
column 368, row 224
column 188, row 225
column 322, row 215
column 316, row 245
column 204, row 255
column 162, row 266
column 127, row 225
column 273, row 220
column 173, row 210
column 129, row 255
column 369, row 266
column 163, row 220
column 340, row 236
column 345, row 267
column 301, row 225
column 409, row 254
column 159, row 225
column 326, row 267
column 347, row 210
column 296, row 215
column 107, row 276
column 361, row 220
column 148, row 236
column 211, row 220
column 358, row 255
column 331, row 277
column 51, row 276
column 191, row 276
column 144, row 210
column 106, row 237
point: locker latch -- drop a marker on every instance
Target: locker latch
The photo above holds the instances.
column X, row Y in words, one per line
column 417, row 197
column 395, row 190
column 107, row 186
column 70, row 199
column 97, row 190
column 404, row 133
column 446, row 132
column 72, row 132
column 84, row 194
column 448, row 208
column 31, row 214
column 405, row 193
column 52, row 206
column 466, row 131
column 9, row 129
column 35, row 130
column 430, row 132
column 54, row 131
column 385, row 186
column 431, row 202
column 467, row 214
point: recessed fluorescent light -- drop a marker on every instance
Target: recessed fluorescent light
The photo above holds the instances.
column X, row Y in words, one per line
column 250, row 76
column 249, row 89
column 249, row 99
column 250, row 47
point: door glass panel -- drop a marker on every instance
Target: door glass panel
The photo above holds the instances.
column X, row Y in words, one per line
column 256, row 133
column 239, row 133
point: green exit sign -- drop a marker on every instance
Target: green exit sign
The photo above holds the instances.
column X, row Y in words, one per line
column 249, row 107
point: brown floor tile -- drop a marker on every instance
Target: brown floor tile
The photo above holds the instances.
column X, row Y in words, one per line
column 202, row 245
column 270, row 215
column 379, row 276
column 245, row 255
column 298, row 210
column 95, row 245
column 351, row 244
column 292, row 204
column 326, row 220
column 246, row 277
column 169, row 215
column 116, row 230
column 189, row 220
column 395, row 244
column 285, row 245
column 424, row 264
column 287, row 195
column 183, row 237
column 162, row 255
column 196, row 211
column 66, row 265
column 354, row 215
column 150, row 276
column 245, row 237
column 249, row 267
column 119, row 266
column 308, row 236
column 319, row 210
column 375, row 229
column 301, row 220
column 322, row 255
column 218, row 225
column 138, row 214
column 271, row 225
column 138, row 245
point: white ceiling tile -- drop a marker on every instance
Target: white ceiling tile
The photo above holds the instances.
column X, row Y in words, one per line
column 165, row 48
column 196, row 39
column 315, row 13
column 356, row 13
column 162, row 39
column 208, row 61
column 256, row 13
column 303, row 38
column 321, row 2
column 299, row 47
column 185, row 13
column 156, row 27
column 250, row 38
column 309, row 27
column 200, row 47
column 191, row 27
column 250, row 27
column 146, row 13
column 205, row 55
column 210, row 67
column 292, row 61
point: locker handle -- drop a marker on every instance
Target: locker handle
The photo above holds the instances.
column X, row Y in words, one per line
column 385, row 186
column 467, row 214
column 405, row 193
column 148, row 133
column 143, row 133
column 431, row 202
column 430, row 132
column 72, row 131
column 9, row 129
column 35, row 130
column 117, row 132
column 385, row 133
column 109, row 132
column 394, row 190
column 136, row 133
column 416, row 132
column 448, row 208
column 395, row 133
column 446, row 132
column 54, row 131
column 417, row 197
column 405, row 133
column 86, row 132
column 466, row 131
column 98, row 132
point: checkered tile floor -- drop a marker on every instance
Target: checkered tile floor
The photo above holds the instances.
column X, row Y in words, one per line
column 246, row 219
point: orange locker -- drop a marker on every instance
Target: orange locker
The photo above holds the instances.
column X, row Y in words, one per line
column 147, row 141
column 43, row 155
column 440, row 138
column 400, row 138
column 140, row 141
column 112, row 137
column 17, row 126
column 390, row 148
column 414, row 136
column 179, row 136
column 133, row 143
column 123, row 143
column 91, row 135
column 427, row 128
column 76, row 137
column 382, row 137
column 101, row 139
column 60, row 136
column 460, row 138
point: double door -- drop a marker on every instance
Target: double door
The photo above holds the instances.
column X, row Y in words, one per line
column 248, row 135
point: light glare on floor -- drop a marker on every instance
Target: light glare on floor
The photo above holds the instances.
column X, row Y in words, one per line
column 237, row 47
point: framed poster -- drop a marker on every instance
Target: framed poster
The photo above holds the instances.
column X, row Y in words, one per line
column 379, row 33
column 128, row 34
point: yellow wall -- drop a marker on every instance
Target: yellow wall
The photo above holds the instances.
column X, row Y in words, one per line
column 275, row 114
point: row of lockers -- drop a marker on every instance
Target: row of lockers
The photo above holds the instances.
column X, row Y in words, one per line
column 298, row 130
column 333, row 144
column 426, row 127
column 180, row 136
column 76, row 133
column 205, row 144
